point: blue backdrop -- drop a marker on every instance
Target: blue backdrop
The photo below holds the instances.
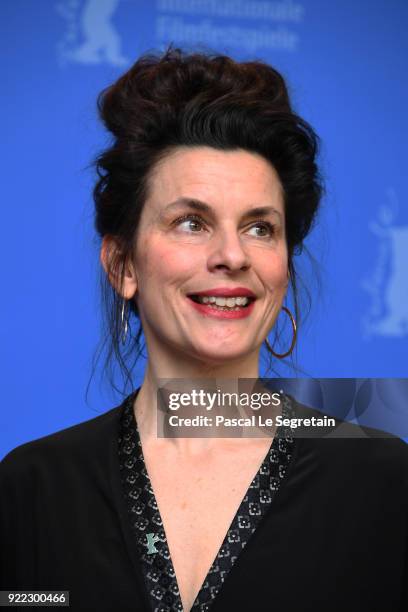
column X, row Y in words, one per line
column 346, row 65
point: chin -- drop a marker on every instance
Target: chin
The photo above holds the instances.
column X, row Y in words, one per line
column 221, row 356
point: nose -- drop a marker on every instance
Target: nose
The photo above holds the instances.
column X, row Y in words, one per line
column 227, row 252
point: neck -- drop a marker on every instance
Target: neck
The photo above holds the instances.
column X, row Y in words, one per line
column 160, row 370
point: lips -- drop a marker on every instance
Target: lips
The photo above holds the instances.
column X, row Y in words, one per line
column 238, row 311
column 225, row 292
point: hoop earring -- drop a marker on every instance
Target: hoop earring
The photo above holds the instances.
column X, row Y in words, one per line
column 123, row 323
column 282, row 355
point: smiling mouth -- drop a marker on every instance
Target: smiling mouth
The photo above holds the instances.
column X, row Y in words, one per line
column 223, row 303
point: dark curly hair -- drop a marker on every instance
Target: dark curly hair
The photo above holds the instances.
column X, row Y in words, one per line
column 192, row 99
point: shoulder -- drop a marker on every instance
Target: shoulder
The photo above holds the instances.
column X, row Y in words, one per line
column 354, row 451
column 74, row 444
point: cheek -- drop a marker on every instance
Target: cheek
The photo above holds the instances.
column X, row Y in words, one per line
column 274, row 272
column 167, row 262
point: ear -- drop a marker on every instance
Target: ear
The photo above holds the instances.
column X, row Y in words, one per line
column 110, row 250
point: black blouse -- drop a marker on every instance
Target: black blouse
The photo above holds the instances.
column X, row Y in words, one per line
column 157, row 567
column 324, row 524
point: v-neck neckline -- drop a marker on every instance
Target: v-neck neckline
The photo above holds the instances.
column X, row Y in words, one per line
column 147, row 525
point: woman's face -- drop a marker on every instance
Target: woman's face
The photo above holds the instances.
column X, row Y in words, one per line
column 202, row 232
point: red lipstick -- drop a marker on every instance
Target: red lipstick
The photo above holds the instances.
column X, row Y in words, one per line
column 226, row 292
column 211, row 310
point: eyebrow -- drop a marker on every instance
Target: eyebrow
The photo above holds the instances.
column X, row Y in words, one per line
column 200, row 206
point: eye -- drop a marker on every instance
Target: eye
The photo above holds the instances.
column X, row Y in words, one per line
column 267, row 228
column 193, row 223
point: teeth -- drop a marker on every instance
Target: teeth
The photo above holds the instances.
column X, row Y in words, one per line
column 231, row 302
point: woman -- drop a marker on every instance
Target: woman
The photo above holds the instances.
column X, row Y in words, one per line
column 209, row 188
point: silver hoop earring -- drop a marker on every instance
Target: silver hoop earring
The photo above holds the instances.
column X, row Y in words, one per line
column 123, row 323
column 292, row 345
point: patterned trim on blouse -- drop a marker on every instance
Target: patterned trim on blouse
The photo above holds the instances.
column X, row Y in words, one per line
column 147, row 525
